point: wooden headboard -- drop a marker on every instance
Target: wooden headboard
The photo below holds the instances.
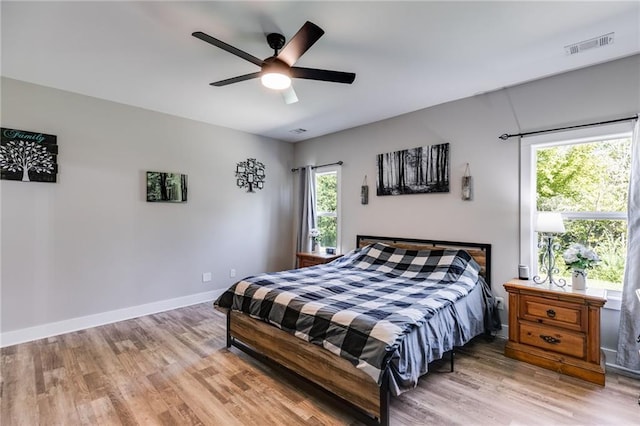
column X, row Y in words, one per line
column 480, row 252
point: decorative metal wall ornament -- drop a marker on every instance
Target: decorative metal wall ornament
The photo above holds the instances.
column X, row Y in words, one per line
column 28, row 156
column 467, row 194
column 250, row 174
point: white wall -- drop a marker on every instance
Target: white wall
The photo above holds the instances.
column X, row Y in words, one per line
column 91, row 243
column 472, row 127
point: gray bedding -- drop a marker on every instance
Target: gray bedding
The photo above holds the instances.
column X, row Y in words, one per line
column 454, row 325
column 376, row 306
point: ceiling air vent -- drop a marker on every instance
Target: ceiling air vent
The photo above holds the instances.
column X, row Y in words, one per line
column 297, row 131
column 601, row 41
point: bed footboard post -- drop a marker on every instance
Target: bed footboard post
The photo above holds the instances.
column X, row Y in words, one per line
column 453, row 352
column 384, row 399
column 229, row 328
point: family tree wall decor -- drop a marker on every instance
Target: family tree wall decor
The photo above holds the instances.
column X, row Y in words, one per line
column 28, row 156
column 414, row 171
column 250, row 174
column 166, row 187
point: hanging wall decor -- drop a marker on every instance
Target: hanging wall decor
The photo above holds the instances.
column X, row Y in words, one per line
column 166, row 187
column 414, row 171
column 467, row 194
column 364, row 192
column 250, row 174
column 28, row 156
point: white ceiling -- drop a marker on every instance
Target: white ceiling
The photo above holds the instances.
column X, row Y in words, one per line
column 407, row 55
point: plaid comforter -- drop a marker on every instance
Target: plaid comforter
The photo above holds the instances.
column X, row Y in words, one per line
column 362, row 305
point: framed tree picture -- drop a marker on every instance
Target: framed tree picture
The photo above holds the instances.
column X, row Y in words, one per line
column 414, row 171
column 166, row 187
column 28, row 156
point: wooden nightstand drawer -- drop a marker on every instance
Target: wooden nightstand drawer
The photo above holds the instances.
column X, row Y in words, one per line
column 554, row 312
column 312, row 259
column 550, row 338
column 304, row 262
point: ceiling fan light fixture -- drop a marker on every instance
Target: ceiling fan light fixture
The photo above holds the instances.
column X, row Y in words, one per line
column 277, row 71
column 275, row 80
column 275, row 74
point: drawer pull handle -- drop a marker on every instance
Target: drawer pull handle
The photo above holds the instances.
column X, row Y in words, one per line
column 549, row 339
column 551, row 313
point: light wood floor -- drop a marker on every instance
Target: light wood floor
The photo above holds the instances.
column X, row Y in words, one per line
column 173, row 368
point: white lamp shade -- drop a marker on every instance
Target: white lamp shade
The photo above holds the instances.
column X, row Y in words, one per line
column 549, row 222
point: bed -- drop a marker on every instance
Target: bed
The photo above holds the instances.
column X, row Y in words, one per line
column 366, row 326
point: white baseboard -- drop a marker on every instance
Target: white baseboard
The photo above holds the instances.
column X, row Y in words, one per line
column 23, row 335
column 610, row 361
column 504, row 332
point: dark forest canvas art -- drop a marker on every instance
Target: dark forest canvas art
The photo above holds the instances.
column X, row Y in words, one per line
column 414, row 171
column 167, row 187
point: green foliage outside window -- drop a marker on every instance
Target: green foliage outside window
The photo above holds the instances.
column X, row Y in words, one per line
column 588, row 177
column 326, row 208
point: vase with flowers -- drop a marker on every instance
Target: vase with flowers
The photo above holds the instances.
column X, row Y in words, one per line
column 579, row 258
column 314, row 234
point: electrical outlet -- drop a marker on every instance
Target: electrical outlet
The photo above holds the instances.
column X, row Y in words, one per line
column 500, row 303
column 232, row 273
column 206, row 277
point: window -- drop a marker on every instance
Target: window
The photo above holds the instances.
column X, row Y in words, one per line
column 327, row 184
column 588, row 183
column 586, row 179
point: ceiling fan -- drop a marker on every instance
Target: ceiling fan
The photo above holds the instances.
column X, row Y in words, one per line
column 277, row 71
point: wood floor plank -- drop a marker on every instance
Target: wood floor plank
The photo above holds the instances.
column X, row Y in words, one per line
column 104, row 412
column 173, row 368
column 21, row 393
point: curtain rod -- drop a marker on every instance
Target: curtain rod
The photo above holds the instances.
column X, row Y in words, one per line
column 339, row 163
column 506, row 136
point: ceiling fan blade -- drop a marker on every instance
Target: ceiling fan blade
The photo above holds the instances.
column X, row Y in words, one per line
column 236, row 79
column 323, row 75
column 289, row 96
column 224, row 46
column 300, row 43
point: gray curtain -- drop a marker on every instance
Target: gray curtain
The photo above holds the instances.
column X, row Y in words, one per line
column 307, row 208
column 628, row 347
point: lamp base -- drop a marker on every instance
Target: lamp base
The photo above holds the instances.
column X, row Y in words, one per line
column 549, row 279
column 548, row 262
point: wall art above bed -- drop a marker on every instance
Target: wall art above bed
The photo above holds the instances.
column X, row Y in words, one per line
column 166, row 187
column 28, row 156
column 414, row 171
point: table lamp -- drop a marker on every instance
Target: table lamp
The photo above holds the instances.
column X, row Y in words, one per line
column 548, row 224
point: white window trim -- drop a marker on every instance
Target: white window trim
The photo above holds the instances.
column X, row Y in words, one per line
column 338, row 170
column 595, row 215
column 528, row 145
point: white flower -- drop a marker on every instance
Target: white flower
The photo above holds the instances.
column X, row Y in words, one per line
column 314, row 233
column 578, row 256
column 570, row 257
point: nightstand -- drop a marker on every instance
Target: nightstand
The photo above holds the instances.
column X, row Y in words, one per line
column 312, row 259
column 556, row 328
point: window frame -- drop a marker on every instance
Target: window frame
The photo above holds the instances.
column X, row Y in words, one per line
column 528, row 147
column 338, row 171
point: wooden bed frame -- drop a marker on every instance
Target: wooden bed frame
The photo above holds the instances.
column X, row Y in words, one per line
column 321, row 367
